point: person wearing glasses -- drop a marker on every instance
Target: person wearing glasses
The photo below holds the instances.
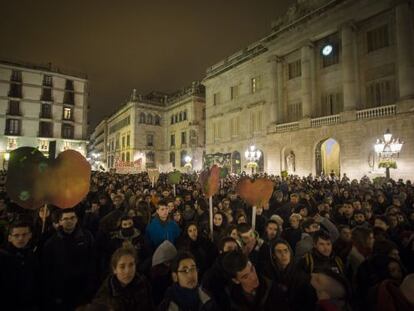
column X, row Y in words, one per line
column 19, row 267
column 69, row 265
column 185, row 294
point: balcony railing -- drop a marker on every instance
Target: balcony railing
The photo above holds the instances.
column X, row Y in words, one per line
column 328, row 120
column 377, row 112
column 286, row 127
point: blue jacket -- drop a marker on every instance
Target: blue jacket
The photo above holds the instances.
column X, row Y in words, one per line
column 157, row 232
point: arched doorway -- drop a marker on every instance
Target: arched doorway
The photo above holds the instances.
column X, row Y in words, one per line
column 327, row 157
column 235, row 162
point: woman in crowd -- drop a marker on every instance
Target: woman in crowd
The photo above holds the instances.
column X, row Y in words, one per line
column 124, row 289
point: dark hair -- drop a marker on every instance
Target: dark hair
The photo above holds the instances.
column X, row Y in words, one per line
column 384, row 247
column 180, row 257
column 123, row 251
column 272, row 221
column 321, row 234
column 281, row 241
column 60, row 212
column 360, row 235
column 383, row 218
column 223, row 242
column 234, row 262
column 307, row 223
column 125, row 217
column 19, row 224
column 161, row 203
column 244, row 227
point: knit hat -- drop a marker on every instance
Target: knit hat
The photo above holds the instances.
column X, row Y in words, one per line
column 164, row 253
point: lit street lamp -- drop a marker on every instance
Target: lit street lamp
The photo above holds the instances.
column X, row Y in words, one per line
column 387, row 149
column 187, row 160
column 6, row 158
column 252, row 156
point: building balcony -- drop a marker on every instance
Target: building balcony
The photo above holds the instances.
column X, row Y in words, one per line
column 45, row 134
column 12, row 132
column 377, row 112
column 45, row 115
column 14, row 112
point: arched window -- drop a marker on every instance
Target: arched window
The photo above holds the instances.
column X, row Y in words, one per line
column 142, row 117
column 149, row 119
column 181, row 116
column 185, row 115
column 157, row 120
column 172, row 158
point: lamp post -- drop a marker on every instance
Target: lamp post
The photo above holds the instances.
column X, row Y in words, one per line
column 388, row 149
column 252, row 156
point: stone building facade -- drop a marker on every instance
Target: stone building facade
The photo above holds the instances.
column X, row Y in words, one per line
column 40, row 104
column 327, row 81
column 157, row 128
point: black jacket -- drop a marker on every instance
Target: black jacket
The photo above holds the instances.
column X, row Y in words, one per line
column 268, row 297
column 69, row 269
column 19, row 283
column 135, row 296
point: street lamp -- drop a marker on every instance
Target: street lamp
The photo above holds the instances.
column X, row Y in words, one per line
column 187, row 160
column 252, row 156
column 387, row 149
column 6, row 158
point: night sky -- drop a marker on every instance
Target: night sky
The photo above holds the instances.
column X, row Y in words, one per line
column 121, row 45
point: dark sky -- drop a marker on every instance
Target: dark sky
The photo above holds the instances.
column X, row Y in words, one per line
column 126, row 44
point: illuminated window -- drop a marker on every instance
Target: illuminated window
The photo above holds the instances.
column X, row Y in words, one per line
column 67, row 113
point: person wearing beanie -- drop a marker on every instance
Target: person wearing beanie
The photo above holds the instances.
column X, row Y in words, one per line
column 160, row 270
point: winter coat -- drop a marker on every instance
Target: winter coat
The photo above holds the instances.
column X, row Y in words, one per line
column 135, row 296
column 158, row 231
column 69, row 269
column 19, row 283
column 174, row 301
column 268, row 297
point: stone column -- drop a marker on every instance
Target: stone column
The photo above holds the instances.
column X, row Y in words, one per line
column 281, row 112
column 274, row 101
column 405, row 45
column 306, row 55
column 349, row 77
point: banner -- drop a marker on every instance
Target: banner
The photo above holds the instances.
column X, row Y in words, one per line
column 122, row 167
column 165, row 168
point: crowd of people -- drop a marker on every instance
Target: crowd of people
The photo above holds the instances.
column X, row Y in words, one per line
column 322, row 243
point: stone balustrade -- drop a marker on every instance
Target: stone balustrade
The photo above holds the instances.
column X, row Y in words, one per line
column 328, row 120
column 377, row 112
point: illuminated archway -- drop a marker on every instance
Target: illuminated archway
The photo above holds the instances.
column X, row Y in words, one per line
column 327, row 157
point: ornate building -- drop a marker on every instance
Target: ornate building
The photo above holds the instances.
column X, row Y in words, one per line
column 316, row 93
column 155, row 129
column 41, row 104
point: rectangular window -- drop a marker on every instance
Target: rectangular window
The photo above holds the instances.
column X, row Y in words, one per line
column 128, row 140
column 45, row 129
column 255, row 84
column 380, row 93
column 294, row 112
column 14, row 108
column 172, row 158
column 183, row 138
column 295, row 69
column 172, row 140
column 216, row 98
column 172, row 119
column 47, row 80
column 234, row 127
column 234, row 92
column 46, row 112
column 123, row 142
column 378, row 38
column 127, row 157
column 15, row 90
column 69, row 98
column 16, row 76
column 150, row 140
column 69, row 85
column 332, row 104
column 67, row 114
column 12, row 127
column 67, row 131
column 123, row 157
column 46, row 94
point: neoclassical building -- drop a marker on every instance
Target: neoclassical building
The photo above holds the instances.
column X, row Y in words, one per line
column 39, row 105
column 157, row 128
column 330, row 78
